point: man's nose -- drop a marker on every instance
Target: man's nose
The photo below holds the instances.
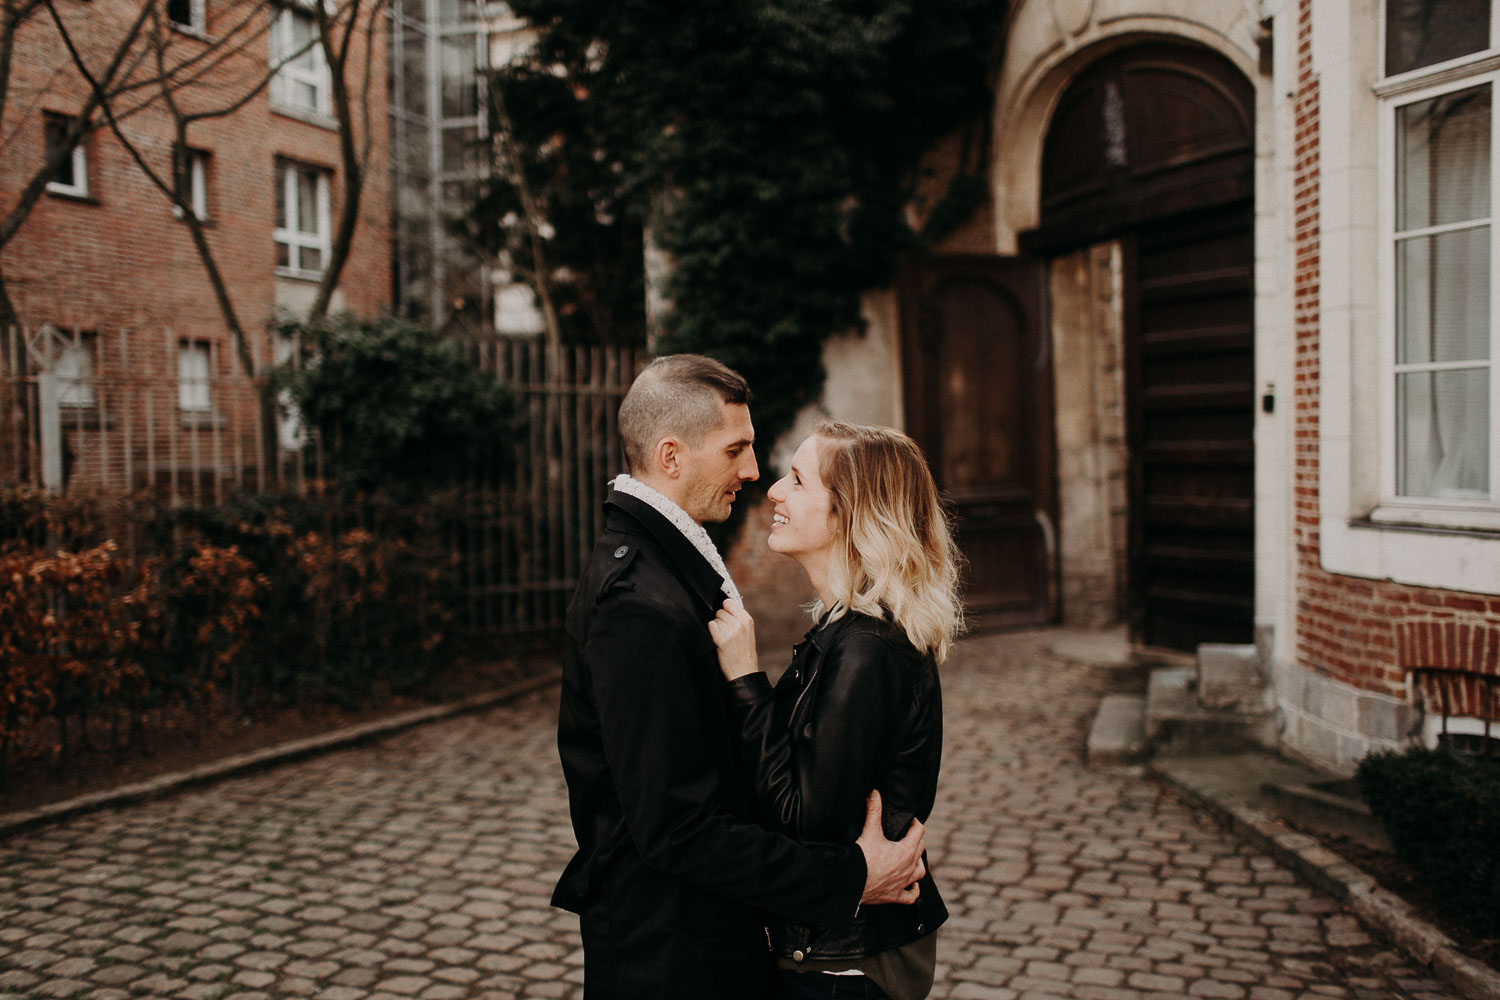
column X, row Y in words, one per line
column 750, row 471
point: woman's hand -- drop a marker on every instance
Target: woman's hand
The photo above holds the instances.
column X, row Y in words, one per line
column 733, row 631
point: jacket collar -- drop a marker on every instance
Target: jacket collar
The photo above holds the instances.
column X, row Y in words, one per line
column 703, row 581
column 824, row 632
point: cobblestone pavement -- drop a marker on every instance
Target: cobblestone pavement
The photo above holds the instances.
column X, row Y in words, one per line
column 421, row 867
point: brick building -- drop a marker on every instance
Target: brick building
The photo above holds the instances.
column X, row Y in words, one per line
column 109, row 291
column 1215, row 360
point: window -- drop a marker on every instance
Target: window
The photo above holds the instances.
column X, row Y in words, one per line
column 301, row 80
column 194, row 381
column 1439, row 402
column 194, row 166
column 302, row 228
column 1408, row 477
column 74, row 367
column 72, row 175
column 186, row 14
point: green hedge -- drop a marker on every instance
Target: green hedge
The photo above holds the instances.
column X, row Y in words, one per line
column 1442, row 813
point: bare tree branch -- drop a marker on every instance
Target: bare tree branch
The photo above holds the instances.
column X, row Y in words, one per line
column 533, row 218
column 78, row 126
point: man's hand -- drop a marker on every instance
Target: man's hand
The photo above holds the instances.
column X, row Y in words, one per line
column 892, row 867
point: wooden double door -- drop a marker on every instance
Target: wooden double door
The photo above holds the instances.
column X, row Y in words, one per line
column 1152, row 146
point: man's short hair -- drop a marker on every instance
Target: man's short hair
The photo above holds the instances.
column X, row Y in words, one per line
column 676, row 395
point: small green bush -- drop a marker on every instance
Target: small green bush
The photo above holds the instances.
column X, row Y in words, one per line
column 395, row 408
column 1442, row 813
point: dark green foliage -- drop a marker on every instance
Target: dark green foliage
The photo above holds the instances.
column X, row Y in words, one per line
column 1442, row 813
column 769, row 147
column 395, row 408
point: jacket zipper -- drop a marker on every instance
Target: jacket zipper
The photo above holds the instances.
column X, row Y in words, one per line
column 806, row 687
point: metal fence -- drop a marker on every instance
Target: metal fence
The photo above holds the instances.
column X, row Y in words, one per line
column 527, row 540
column 117, row 412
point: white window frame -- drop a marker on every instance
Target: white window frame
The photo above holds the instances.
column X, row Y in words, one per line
column 197, row 177
column 195, row 392
column 287, row 72
column 295, row 239
column 1476, row 513
column 74, row 368
column 198, row 24
column 1355, row 536
column 80, row 186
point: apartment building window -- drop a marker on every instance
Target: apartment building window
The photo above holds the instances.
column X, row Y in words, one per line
column 72, row 175
column 302, row 224
column 194, row 377
column 1441, row 330
column 194, row 165
column 187, row 15
column 301, row 82
column 74, row 368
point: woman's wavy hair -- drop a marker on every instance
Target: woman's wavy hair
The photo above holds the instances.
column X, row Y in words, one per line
column 893, row 553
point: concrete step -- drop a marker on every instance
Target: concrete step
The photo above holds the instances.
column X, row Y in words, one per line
column 1230, row 677
column 1328, row 805
column 1177, row 723
column 1117, row 737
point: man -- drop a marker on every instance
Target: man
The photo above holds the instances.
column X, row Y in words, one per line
column 672, row 877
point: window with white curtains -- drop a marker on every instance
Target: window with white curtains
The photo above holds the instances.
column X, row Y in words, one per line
column 1438, row 392
column 301, row 81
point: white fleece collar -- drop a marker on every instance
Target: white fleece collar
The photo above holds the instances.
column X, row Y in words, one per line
column 691, row 530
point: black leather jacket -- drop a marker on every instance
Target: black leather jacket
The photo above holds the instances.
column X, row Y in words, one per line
column 859, row 708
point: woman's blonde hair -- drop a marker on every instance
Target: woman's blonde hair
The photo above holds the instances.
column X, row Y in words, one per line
column 893, row 551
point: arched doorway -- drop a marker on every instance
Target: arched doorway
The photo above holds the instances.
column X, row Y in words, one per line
column 1153, row 146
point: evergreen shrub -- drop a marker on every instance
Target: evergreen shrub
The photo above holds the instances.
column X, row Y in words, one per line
column 1442, row 813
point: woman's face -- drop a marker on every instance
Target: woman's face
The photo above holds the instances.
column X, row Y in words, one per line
column 802, row 525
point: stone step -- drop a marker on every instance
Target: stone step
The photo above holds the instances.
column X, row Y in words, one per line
column 1177, row 723
column 1329, row 805
column 1230, row 677
column 1117, row 737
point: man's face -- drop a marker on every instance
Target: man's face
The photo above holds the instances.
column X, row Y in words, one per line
column 713, row 472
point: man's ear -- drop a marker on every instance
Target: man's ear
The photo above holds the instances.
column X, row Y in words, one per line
column 668, row 457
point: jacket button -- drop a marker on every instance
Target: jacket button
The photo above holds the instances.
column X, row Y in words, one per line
column 798, row 955
column 921, row 928
column 620, row 552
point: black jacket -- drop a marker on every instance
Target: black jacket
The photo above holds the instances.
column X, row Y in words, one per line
column 859, row 708
column 674, row 881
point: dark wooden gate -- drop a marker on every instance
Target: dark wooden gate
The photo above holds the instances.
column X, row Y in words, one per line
column 978, row 383
column 1154, row 145
column 1191, row 396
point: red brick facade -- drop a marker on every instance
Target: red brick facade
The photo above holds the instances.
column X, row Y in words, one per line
column 119, row 259
column 1359, row 632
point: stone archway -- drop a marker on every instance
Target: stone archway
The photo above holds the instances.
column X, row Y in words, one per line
column 1150, row 151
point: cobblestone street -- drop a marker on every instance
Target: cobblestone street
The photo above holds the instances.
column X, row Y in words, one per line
column 420, row 867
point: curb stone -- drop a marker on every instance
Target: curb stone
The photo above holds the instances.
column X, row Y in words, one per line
column 1379, row 909
column 267, row 757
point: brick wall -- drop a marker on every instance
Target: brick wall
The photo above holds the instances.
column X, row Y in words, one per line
column 1358, row 632
column 120, row 260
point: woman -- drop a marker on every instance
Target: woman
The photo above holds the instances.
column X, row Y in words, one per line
column 859, row 708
